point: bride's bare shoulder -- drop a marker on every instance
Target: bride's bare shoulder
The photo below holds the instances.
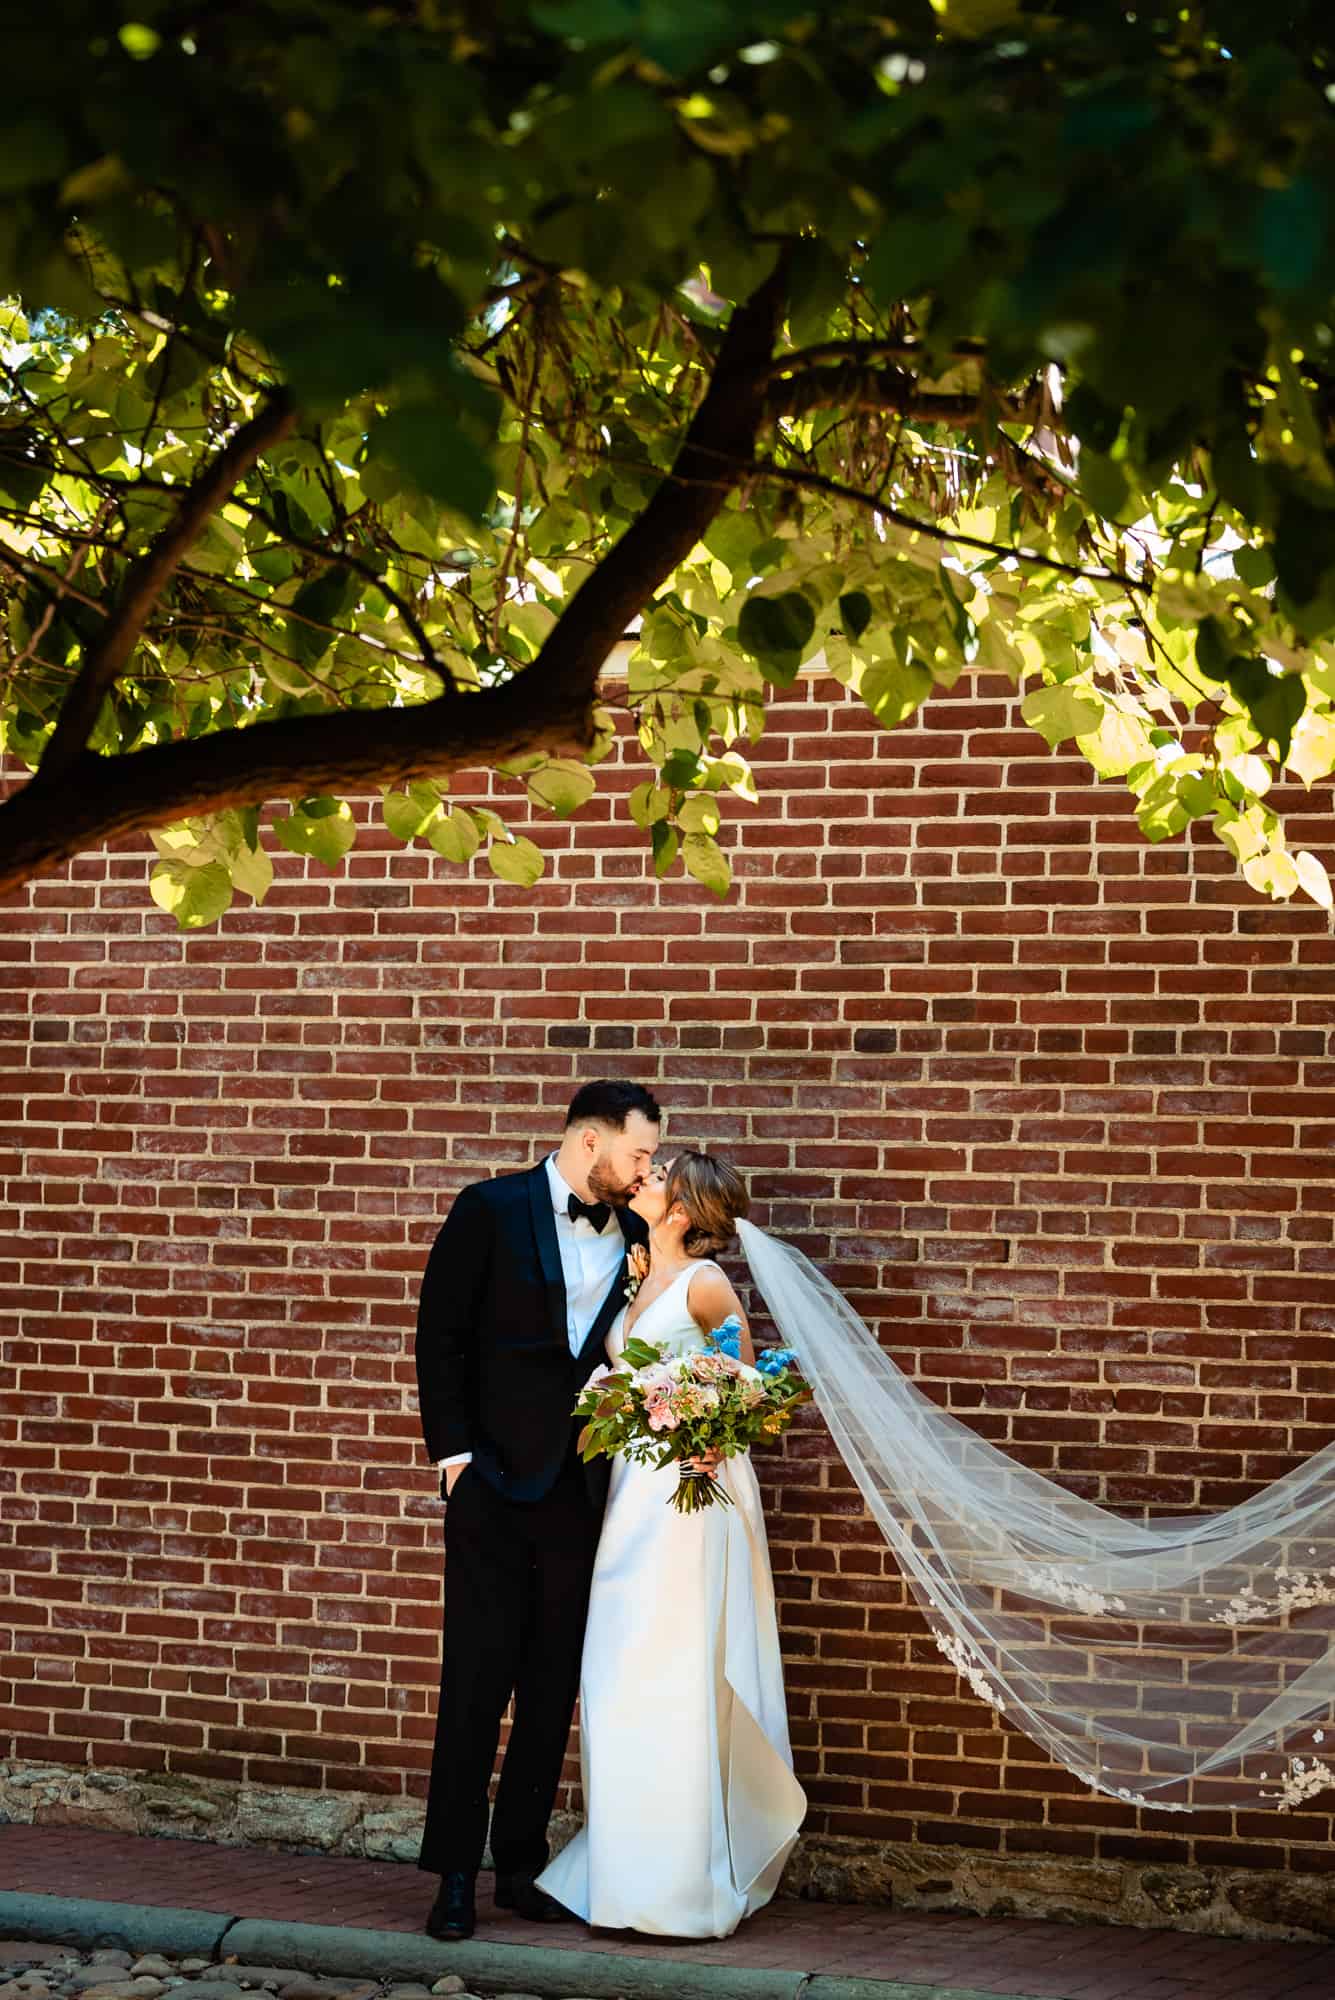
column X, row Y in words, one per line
column 710, row 1296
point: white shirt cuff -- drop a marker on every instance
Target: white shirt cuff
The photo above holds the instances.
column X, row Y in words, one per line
column 460, row 1458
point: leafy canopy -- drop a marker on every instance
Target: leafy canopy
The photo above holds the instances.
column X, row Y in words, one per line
column 370, row 371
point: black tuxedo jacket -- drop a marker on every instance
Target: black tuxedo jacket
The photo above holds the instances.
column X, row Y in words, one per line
column 495, row 1375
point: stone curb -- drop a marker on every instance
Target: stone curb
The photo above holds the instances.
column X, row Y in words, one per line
column 487, row 1968
column 139, row 1927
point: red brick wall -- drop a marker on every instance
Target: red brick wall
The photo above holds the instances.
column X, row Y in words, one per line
column 1052, row 1105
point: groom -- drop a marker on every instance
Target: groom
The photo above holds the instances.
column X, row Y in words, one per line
column 522, row 1284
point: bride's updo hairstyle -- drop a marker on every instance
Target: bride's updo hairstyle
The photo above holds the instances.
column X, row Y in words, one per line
column 713, row 1195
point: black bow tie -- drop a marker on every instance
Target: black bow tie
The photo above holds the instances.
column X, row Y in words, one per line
column 595, row 1213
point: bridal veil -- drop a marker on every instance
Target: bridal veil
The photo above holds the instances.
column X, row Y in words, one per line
column 1182, row 1663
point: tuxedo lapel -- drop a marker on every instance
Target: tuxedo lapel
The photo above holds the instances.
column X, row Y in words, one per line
column 549, row 1250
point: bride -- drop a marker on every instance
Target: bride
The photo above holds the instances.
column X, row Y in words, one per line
column 692, row 1807
column 1176, row 1662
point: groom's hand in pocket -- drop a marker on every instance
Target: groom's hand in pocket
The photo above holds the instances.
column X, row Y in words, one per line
column 450, row 1478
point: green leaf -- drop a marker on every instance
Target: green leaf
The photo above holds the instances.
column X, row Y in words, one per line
column 699, row 814
column 252, row 871
column 1312, row 750
column 1254, row 567
column 563, row 785
column 1274, row 702
column 1215, row 650
column 490, row 822
column 705, row 859
column 1119, row 743
column 731, row 772
column 892, row 690
column 666, row 841
column 1161, row 813
column 1313, row 879
column 1274, row 872
column 517, row 861
column 179, row 366
column 406, row 816
column 682, row 769
column 194, row 896
column 323, row 828
column 855, row 613
column 438, row 455
column 1243, row 834
column 914, row 250
column 640, row 1353
column 817, row 284
column 649, row 802
column 456, row 836
column 1104, row 484
column 604, row 735
column 318, row 605
column 1058, row 713
column 774, row 631
column 961, row 622
column 1197, row 793
column 21, row 478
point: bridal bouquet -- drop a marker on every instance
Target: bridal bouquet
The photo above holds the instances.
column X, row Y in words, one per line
column 658, row 1408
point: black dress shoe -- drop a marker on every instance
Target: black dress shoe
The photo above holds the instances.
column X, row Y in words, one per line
column 452, row 1915
column 521, row 1894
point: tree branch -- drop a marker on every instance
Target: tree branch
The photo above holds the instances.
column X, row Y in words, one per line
column 716, row 454
column 548, row 707
column 816, row 482
column 75, row 564
column 107, row 798
column 863, row 350
column 147, row 578
column 854, row 386
column 57, row 582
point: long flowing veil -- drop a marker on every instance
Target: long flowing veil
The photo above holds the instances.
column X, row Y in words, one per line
column 1184, row 1662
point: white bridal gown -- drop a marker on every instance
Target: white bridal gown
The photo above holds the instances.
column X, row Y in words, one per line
column 691, row 1805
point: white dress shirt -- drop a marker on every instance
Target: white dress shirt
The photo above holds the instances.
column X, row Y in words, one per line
column 589, row 1260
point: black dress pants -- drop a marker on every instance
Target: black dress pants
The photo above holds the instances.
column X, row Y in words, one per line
column 517, row 1579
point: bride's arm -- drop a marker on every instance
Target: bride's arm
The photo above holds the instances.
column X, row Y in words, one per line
column 712, row 1300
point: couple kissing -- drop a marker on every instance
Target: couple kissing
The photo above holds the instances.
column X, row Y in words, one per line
column 566, row 1578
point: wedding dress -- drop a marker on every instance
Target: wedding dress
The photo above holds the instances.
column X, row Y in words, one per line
column 691, row 1805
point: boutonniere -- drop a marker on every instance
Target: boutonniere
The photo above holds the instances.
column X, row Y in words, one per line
column 637, row 1266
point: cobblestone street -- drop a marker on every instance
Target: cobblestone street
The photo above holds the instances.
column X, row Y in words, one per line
column 42, row 1972
column 918, row 1955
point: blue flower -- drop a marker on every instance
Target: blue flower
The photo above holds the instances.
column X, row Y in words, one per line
column 728, row 1337
column 775, row 1359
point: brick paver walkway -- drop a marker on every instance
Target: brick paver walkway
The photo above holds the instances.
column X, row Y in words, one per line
column 1003, row 1956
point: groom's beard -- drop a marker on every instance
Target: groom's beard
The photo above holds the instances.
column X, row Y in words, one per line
column 604, row 1185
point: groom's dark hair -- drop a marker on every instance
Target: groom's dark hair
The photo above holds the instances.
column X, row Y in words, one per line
column 610, row 1101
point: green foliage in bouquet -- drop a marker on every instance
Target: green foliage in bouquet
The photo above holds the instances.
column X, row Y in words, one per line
column 661, row 1409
